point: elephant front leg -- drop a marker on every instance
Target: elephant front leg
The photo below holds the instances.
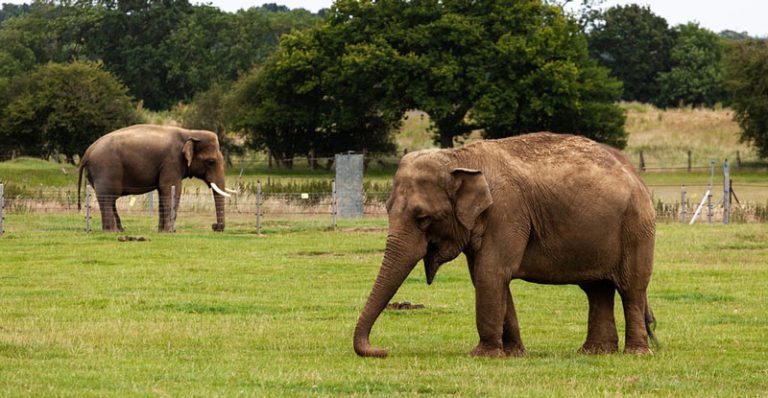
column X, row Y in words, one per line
column 490, row 308
column 601, row 329
column 513, row 344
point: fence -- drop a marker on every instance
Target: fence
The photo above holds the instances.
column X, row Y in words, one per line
column 248, row 211
column 253, row 211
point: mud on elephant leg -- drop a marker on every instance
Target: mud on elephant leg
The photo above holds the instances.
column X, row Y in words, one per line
column 513, row 344
column 602, row 337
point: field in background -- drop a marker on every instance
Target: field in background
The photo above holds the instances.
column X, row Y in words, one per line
column 224, row 314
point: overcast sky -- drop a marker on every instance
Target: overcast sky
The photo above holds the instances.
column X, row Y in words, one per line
column 716, row 15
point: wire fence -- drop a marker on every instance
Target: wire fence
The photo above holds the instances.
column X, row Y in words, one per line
column 252, row 211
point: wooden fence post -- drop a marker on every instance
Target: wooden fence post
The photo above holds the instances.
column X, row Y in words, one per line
column 258, row 207
column 173, row 208
column 738, row 160
column 683, row 207
column 689, row 160
column 642, row 161
column 2, row 210
column 87, row 209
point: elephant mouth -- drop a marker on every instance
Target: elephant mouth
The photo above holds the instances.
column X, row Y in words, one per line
column 431, row 262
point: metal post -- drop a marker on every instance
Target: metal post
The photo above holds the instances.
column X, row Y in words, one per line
column 87, row 209
column 150, row 202
column 2, row 210
column 683, row 205
column 334, row 205
column 709, row 190
column 258, row 207
column 726, row 192
column 173, row 208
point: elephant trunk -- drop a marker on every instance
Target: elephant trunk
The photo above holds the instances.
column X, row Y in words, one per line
column 399, row 260
column 218, row 200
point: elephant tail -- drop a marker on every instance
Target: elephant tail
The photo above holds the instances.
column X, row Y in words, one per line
column 650, row 325
column 81, row 167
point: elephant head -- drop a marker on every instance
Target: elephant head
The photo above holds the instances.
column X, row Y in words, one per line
column 204, row 160
column 433, row 209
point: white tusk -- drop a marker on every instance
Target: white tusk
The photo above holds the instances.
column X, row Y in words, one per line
column 231, row 191
column 218, row 190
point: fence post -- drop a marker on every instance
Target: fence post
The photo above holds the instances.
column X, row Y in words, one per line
column 150, row 202
column 689, row 160
column 642, row 161
column 334, row 205
column 173, row 208
column 709, row 206
column 726, row 192
column 683, row 209
column 258, row 207
column 738, row 160
column 2, row 210
column 87, row 209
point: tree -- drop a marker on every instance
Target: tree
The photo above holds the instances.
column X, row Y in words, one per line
column 503, row 66
column 696, row 77
column 304, row 101
column 62, row 108
column 210, row 110
column 746, row 70
column 635, row 44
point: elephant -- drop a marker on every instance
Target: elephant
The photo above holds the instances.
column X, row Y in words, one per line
column 142, row 158
column 541, row 207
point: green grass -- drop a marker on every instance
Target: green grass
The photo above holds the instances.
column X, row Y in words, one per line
column 203, row 314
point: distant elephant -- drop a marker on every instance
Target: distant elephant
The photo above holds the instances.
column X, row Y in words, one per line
column 142, row 158
column 542, row 207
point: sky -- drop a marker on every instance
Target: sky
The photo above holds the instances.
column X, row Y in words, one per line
column 717, row 15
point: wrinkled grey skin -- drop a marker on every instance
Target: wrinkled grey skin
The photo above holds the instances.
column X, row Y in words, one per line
column 545, row 208
column 142, row 158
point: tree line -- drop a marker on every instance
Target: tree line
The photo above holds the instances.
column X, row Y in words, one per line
column 297, row 83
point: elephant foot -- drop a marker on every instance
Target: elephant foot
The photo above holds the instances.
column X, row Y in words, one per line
column 638, row 350
column 598, row 348
column 217, row 227
column 514, row 350
column 489, row 352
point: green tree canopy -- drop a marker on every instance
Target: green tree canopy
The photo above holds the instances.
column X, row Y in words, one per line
column 746, row 70
column 62, row 108
column 635, row 44
column 504, row 66
column 696, row 77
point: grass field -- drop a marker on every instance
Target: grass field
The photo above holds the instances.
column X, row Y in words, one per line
column 203, row 314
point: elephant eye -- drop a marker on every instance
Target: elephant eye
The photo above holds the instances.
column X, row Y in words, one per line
column 210, row 162
column 423, row 221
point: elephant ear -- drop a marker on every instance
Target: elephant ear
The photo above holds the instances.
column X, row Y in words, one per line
column 189, row 149
column 472, row 195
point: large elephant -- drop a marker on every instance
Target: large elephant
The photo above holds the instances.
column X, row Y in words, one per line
column 544, row 208
column 142, row 158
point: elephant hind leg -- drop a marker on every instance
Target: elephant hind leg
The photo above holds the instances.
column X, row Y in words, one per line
column 602, row 337
column 118, row 223
column 633, row 291
column 108, row 212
